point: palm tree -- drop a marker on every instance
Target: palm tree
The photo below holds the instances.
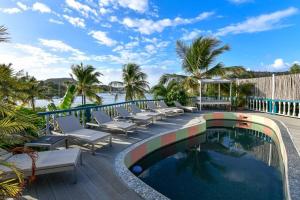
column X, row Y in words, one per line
column 198, row 62
column 3, row 34
column 87, row 83
column 32, row 89
column 134, row 82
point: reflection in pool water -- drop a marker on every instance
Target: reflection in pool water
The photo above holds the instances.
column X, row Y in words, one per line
column 219, row 164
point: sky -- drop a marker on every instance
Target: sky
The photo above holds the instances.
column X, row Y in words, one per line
column 48, row 36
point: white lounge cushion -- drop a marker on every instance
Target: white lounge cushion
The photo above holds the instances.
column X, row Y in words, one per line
column 47, row 160
column 88, row 135
column 118, row 125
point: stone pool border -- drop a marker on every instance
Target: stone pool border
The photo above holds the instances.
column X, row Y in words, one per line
column 140, row 149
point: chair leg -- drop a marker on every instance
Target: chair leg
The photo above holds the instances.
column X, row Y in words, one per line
column 93, row 149
column 110, row 141
column 75, row 175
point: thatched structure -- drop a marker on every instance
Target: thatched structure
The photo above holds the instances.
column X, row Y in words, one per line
column 287, row 87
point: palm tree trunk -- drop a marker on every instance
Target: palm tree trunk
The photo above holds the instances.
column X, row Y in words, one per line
column 33, row 103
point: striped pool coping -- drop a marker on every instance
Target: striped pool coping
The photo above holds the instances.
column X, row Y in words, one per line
column 137, row 151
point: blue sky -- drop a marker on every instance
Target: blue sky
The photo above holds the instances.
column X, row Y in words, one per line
column 49, row 36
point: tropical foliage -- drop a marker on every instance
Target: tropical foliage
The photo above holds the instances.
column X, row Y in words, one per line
column 295, row 68
column 3, row 34
column 171, row 92
column 198, row 62
column 134, row 82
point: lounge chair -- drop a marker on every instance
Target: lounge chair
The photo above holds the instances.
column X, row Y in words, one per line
column 186, row 108
column 123, row 113
column 163, row 105
column 47, row 162
column 103, row 120
column 151, row 106
column 70, row 126
column 137, row 111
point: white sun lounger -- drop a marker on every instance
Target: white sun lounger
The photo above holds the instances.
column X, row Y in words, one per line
column 70, row 126
column 186, row 108
column 151, row 106
column 123, row 113
column 137, row 111
column 47, row 162
column 163, row 105
column 105, row 121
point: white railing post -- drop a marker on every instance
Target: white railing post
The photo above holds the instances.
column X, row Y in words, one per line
column 294, row 109
column 284, row 110
column 259, row 105
column 279, row 107
column 263, row 105
column 289, row 108
column 267, row 105
column 299, row 109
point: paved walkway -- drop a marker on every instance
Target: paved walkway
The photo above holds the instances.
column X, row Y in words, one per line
column 293, row 125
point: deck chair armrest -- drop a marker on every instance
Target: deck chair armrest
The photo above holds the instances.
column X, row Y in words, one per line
column 92, row 124
column 56, row 133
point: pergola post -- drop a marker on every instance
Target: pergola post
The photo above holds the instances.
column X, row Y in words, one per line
column 200, row 100
column 219, row 96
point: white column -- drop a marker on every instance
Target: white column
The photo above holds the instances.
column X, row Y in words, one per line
column 267, row 106
column 259, row 105
column 284, row 110
column 279, row 107
column 289, row 108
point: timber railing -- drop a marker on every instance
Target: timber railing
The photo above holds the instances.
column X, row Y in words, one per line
column 289, row 108
column 84, row 113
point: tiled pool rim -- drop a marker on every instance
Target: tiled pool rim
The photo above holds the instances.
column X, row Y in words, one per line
column 140, row 149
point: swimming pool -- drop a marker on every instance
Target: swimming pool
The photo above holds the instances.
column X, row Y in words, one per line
column 221, row 163
column 263, row 127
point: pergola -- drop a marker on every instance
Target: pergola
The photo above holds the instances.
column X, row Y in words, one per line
column 219, row 101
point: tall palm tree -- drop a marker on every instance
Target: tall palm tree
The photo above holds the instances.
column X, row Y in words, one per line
column 134, row 82
column 87, row 83
column 199, row 61
column 3, row 34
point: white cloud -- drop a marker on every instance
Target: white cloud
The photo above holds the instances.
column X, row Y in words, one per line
column 40, row 7
column 10, row 10
column 260, row 23
column 75, row 21
column 279, row 64
column 240, row 1
column 191, row 35
column 82, row 8
column 34, row 60
column 102, row 38
column 113, row 19
column 55, row 21
column 148, row 26
column 22, row 6
column 60, row 46
column 136, row 5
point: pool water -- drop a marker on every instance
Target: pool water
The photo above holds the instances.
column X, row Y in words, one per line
column 221, row 163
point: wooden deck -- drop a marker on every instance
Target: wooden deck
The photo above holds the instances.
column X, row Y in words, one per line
column 97, row 179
